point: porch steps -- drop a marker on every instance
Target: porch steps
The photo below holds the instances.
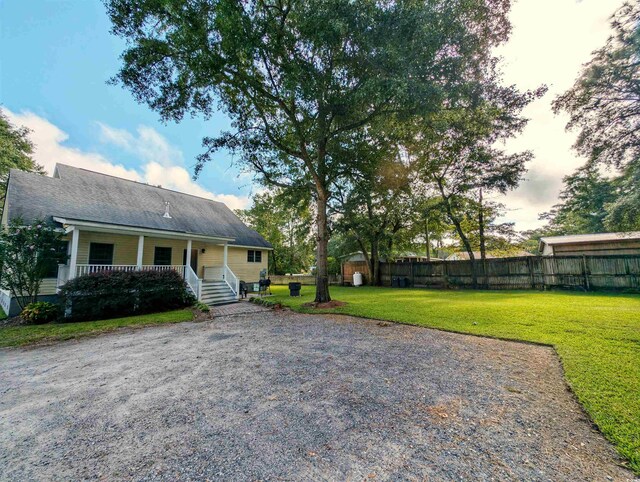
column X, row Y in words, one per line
column 217, row 293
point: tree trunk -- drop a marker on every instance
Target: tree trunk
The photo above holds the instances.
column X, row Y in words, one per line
column 483, row 248
column 465, row 241
column 322, row 270
column 428, row 240
column 375, row 262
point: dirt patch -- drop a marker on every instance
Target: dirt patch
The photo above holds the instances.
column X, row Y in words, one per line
column 325, row 305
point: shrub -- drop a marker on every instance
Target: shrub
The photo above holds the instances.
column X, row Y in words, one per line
column 204, row 308
column 110, row 294
column 40, row 312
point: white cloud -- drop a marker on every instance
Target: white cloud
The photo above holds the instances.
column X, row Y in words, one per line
column 551, row 40
column 149, row 145
column 162, row 162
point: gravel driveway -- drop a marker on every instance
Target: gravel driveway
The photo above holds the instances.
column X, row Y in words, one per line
column 282, row 396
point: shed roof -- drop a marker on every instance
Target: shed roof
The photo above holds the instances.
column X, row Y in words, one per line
column 83, row 195
column 590, row 238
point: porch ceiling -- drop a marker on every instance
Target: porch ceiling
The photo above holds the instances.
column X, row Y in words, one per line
column 70, row 224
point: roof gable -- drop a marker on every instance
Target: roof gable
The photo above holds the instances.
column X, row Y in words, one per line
column 84, row 195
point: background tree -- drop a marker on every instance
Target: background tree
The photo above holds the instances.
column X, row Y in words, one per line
column 604, row 102
column 584, row 203
column 28, row 254
column 458, row 155
column 604, row 107
column 286, row 223
column 373, row 204
column 16, row 151
column 297, row 78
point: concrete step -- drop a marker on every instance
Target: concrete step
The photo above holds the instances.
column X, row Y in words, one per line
column 215, row 289
column 220, row 300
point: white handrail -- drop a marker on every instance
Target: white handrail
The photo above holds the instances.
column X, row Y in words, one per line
column 193, row 281
column 63, row 275
column 82, row 269
column 231, row 279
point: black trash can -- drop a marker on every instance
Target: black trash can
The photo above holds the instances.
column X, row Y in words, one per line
column 402, row 283
column 407, row 283
column 395, row 282
column 294, row 289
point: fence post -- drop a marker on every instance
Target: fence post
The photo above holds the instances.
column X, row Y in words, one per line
column 585, row 272
column 531, row 275
column 446, row 274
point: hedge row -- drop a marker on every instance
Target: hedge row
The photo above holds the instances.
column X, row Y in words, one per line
column 110, row 294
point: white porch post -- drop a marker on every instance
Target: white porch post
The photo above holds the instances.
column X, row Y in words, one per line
column 73, row 261
column 140, row 251
column 226, row 253
column 188, row 260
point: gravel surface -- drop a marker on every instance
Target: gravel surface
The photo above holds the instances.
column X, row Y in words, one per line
column 281, row 396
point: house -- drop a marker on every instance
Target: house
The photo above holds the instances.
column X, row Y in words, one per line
column 117, row 224
column 591, row 244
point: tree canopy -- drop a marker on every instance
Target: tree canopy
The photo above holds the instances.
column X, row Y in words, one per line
column 604, row 102
column 16, row 151
column 298, row 78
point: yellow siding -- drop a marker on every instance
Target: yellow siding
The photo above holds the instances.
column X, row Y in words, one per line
column 48, row 286
column 177, row 249
column 125, row 249
column 237, row 259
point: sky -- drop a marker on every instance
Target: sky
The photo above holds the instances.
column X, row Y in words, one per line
column 57, row 55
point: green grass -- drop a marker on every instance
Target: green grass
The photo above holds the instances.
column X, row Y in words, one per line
column 597, row 337
column 27, row 335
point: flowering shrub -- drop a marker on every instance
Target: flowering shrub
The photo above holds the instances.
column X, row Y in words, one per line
column 40, row 312
column 110, row 294
column 28, row 253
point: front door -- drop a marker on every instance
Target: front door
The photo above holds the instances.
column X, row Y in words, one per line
column 194, row 260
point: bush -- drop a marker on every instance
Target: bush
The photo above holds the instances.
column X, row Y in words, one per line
column 40, row 312
column 110, row 294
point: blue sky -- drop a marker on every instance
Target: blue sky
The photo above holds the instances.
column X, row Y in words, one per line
column 56, row 56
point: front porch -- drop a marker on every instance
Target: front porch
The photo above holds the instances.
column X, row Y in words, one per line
column 201, row 261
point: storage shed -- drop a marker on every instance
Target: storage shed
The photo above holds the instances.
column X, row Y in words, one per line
column 600, row 244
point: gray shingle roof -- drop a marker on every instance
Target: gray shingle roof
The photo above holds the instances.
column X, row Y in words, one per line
column 90, row 196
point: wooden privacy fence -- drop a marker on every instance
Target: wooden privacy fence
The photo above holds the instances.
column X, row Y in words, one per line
column 620, row 272
column 277, row 279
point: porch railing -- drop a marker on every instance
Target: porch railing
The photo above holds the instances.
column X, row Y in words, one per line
column 83, row 269
column 193, row 281
column 231, row 279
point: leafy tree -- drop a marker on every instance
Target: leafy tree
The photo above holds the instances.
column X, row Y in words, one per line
column 28, row 254
column 623, row 213
column 284, row 222
column 298, row 78
column 604, row 102
column 16, row 151
column 458, row 155
column 374, row 204
column 584, row 200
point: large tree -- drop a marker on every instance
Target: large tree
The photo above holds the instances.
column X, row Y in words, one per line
column 285, row 222
column 372, row 204
column 604, row 102
column 297, row 78
column 16, row 151
column 459, row 154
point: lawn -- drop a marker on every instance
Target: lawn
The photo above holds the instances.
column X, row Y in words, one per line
column 597, row 337
column 26, row 335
